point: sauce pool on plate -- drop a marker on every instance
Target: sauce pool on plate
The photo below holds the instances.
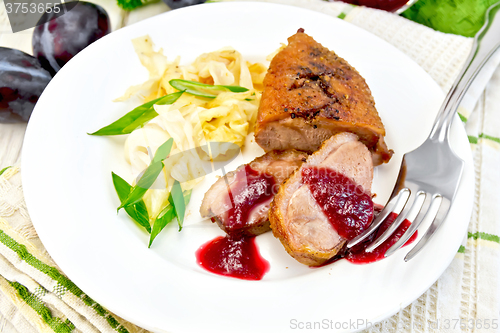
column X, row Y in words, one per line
column 236, row 257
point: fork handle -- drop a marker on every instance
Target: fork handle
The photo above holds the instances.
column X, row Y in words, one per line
column 486, row 42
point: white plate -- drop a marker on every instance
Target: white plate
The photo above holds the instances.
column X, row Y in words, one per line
column 68, row 189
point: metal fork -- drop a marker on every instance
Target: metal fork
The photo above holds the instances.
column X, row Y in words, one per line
column 432, row 172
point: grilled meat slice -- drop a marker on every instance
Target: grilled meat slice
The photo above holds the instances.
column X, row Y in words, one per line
column 309, row 95
column 239, row 202
column 325, row 202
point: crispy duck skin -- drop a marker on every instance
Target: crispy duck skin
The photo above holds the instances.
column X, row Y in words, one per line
column 296, row 218
column 309, row 95
column 216, row 204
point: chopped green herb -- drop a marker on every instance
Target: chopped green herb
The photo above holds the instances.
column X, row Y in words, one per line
column 202, row 89
column 177, row 200
column 138, row 211
column 167, row 215
column 149, row 176
column 137, row 117
column 163, row 218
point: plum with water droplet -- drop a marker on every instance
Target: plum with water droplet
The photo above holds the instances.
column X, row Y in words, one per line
column 22, row 80
column 61, row 37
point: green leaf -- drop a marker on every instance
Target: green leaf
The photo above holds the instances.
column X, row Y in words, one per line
column 144, row 183
column 163, row 218
column 4, row 169
column 163, row 151
column 149, row 176
column 461, row 17
column 176, row 198
column 167, row 215
column 138, row 212
column 137, row 117
column 202, row 89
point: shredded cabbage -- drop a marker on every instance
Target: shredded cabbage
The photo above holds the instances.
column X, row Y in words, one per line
column 191, row 121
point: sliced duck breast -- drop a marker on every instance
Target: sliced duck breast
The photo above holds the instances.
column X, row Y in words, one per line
column 326, row 202
column 239, row 201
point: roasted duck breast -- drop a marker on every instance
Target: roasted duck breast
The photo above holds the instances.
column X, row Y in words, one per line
column 326, row 201
column 309, row 95
column 239, row 201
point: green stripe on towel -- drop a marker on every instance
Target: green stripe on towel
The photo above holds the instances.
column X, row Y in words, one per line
column 56, row 323
column 485, row 236
column 489, row 137
column 462, row 117
column 472, row 139
column 62, row 280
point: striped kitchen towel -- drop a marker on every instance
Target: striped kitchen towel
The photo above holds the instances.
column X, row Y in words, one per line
column 34, row 295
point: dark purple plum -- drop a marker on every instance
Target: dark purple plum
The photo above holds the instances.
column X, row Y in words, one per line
column 59, row 39
column 22, row 80
column 174, row 4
